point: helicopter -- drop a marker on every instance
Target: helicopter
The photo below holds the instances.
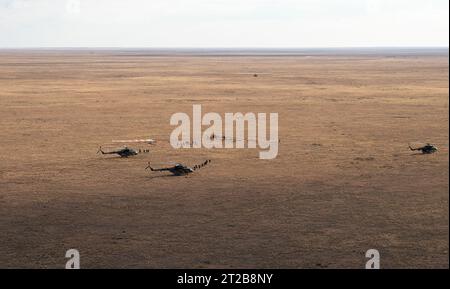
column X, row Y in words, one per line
column 124, row 152
column 179, row 169
column 427, row 149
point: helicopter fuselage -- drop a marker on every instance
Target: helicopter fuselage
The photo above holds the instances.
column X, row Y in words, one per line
column 127, row 153
column 180, row 170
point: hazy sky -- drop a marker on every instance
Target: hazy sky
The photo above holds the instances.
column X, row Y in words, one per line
column 223, row 23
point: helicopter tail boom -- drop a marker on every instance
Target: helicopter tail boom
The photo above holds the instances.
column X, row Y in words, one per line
column 413, row 149
column 155, row 170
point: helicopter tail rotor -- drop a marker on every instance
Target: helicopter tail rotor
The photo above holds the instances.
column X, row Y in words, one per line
column 149, row 167
column 100, row 150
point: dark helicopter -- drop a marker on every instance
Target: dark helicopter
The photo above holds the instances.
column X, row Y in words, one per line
column 179, row 169
column 427, row 149
column 124, row 153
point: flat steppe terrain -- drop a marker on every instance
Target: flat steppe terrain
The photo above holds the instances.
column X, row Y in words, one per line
column 344, row 180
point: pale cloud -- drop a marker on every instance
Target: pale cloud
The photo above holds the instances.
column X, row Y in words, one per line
column 223, row 23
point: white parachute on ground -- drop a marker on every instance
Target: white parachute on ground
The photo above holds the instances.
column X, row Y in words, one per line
column 147, row 141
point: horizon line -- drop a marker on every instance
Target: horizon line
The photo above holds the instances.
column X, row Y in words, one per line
column 229, row 47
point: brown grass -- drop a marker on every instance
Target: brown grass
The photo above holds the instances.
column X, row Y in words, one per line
column 344, row 181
